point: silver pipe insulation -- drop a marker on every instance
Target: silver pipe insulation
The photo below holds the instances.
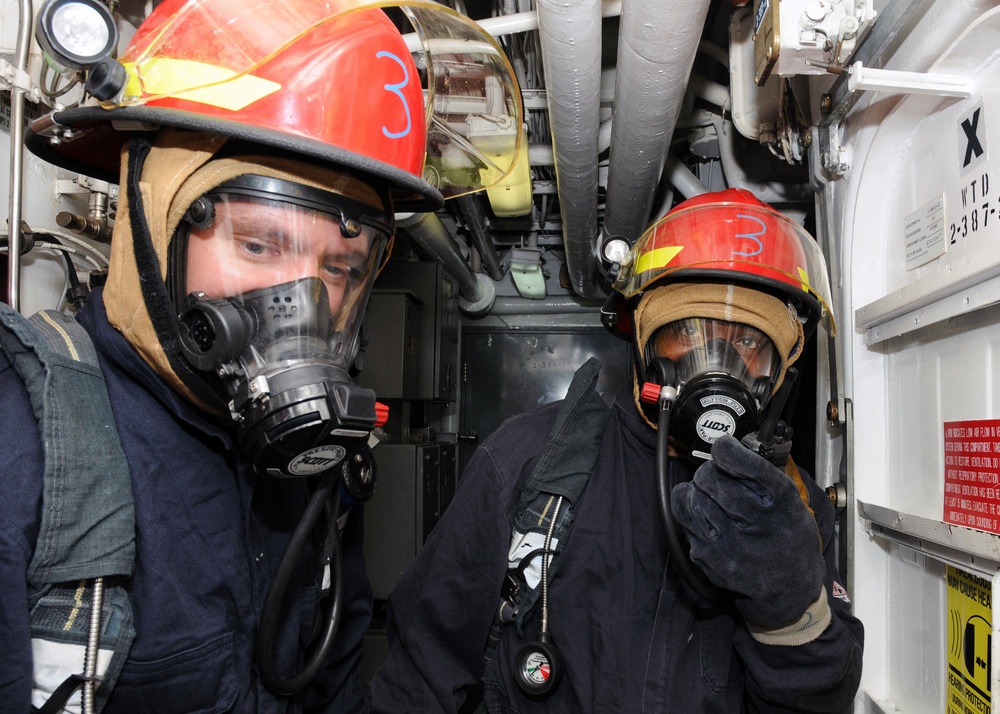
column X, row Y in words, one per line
column 475, row 218
column 656, row 50
column 569, row 34
column 16, row 168
column 476, row 290
column 656, row 54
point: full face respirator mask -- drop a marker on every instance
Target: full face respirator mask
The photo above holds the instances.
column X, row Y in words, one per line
column 270, row 279
column 277, row 276
column 723, row 374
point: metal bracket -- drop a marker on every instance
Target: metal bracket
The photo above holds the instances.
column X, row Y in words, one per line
column 962, row 547
column 861, row 78
column 14, row 78
column 836, row 103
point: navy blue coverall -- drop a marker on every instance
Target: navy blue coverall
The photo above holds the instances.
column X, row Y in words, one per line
column 209, row 536
column 632, row 636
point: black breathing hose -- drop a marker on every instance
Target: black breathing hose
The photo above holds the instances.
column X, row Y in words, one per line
column 272, row 604
column 678, row 552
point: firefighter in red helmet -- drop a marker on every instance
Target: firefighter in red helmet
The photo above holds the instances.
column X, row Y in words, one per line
column 262, row 148
column 629, row 562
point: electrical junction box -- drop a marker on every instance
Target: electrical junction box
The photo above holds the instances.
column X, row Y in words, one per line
column 436, row 360
column 796, row 37
column 391, row 357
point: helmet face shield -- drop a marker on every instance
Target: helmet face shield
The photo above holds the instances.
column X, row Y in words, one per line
column 299, row 276
column 698, row 346
column 339, row 72
column 735, row 242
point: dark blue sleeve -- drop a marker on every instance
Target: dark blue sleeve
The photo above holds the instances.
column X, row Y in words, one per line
column 21, row 469
column 821, row 676
column 441, row 610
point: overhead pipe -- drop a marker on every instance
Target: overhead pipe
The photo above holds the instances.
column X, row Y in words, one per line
column 575, row 101
column 476, row 290
column 542, row 154
column 475, row 218
column 570, row 35
column 19, row 84
column 682, row 180
column 528, row 21
column 656, row 50
column 730, row 154
column 552, row 305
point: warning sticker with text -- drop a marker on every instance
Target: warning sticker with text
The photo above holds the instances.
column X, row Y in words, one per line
column 970, row 640
column 972, row 474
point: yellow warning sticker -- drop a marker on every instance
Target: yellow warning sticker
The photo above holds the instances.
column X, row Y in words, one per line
column 970, row 628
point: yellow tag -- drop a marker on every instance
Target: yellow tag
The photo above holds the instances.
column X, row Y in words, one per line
column 658, row 258
column 196, row 82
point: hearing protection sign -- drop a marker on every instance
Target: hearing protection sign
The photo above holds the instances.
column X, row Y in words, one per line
column 969, row 643
column 972, row 474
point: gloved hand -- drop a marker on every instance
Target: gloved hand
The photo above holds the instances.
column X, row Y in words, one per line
column 752, row 534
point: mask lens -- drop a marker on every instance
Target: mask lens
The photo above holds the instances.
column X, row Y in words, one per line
column 291, row 268
column 700, row 345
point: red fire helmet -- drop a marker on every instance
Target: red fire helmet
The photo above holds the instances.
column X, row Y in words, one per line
column 330, row 80
column 732, row 236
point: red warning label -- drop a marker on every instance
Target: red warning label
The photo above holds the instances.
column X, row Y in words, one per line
column 972, row 474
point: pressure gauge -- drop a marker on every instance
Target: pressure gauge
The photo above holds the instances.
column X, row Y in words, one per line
column 538, row 667
column 75, row 34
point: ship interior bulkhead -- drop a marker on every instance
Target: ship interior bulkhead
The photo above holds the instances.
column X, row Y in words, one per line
column 829, row 110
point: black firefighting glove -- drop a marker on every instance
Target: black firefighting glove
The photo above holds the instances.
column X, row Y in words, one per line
column 752, row 535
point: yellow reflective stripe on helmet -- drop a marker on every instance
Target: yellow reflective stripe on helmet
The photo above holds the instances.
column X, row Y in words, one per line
column 804, row 279
column 196, row 82
column 657, row 258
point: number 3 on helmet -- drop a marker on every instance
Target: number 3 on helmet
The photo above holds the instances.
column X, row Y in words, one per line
column 330, row 80
column 729, row 236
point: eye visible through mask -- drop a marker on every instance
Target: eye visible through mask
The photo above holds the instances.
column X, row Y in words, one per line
column 700, row 345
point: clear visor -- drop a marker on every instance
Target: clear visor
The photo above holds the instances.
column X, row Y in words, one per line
column 700, row 345
column 301, row 282
column 472, row 103
column 729, row 239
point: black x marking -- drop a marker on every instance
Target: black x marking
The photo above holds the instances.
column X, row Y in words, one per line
column 969, row 126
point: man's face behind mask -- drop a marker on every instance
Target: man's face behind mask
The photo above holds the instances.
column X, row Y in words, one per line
column 275, row 295
column 254, row 244
column 300, row 275
column 698, row 345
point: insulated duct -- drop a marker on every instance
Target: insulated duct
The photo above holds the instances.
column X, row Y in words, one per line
column 570, row 36
column 476, row 291
column 656, row 50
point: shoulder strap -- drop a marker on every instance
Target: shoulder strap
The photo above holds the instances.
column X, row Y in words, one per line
column 563, row 470
column 571, row 450
column 87, row 526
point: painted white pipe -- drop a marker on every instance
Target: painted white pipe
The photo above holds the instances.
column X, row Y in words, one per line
column 657, row 44
column 527, row 21
column 682, row 178
column 570, row 36
column 515, row 23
